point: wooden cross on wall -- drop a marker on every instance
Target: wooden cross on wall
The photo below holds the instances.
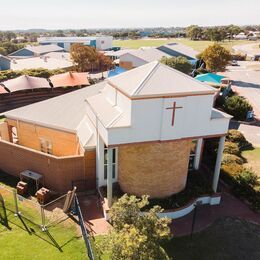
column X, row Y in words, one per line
column 174, row 107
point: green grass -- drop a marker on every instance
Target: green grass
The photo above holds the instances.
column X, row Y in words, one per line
column 227, row 238
column 253, row 159
column 196, row 45
column 25, row 240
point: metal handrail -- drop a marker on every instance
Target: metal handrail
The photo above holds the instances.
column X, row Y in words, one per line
column 83, row 229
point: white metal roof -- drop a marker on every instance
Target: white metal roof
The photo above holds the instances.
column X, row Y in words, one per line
column 155, row 79
column 64, row 112
column 40, row 62
column 148, row 54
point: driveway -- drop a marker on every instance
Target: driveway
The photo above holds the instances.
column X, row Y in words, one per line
column 251, row 132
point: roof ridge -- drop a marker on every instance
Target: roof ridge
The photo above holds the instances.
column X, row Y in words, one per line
column 186, row 76
column 138, row 89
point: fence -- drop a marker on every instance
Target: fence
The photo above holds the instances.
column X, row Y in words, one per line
column 43, row 216
column 83, row 228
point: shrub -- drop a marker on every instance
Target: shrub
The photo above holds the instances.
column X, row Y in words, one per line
column 231, row 158
column 178, row 63
column 232, row 169
column 238, row 107
column 247, row 177
column 231, row 148
column 238, row 56
column 237, row 137
column 42, row 73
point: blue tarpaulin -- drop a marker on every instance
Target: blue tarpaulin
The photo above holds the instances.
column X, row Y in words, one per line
column 116, row 71
column 210, row 77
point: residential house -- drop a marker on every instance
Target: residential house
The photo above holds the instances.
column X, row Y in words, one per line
column 35, row 51
column 135, row 58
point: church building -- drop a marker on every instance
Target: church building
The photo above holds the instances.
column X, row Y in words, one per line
column 136, row 129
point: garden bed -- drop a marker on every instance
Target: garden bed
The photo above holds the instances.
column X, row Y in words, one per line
column 198, row 190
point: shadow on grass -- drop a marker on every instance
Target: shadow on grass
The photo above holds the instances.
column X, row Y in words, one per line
column 33, row 229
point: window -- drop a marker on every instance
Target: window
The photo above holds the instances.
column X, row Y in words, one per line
column 192, row 154
column 45, row 146
column 114, row 162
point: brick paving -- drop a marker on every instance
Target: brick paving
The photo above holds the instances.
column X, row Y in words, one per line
column 205, row 216
column 93, row 215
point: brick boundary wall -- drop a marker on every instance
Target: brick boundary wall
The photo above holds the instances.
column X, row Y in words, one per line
column 58, row 172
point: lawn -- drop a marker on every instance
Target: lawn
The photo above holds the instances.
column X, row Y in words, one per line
column 196, row 45
column 227, row 238
column 25, row 240
column 253, row 159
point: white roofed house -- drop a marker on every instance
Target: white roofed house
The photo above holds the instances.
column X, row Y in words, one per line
column 135, row 129
column 35, row 51
column 135, row 58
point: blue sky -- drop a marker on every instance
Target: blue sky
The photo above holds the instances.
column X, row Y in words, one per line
column 54, row 14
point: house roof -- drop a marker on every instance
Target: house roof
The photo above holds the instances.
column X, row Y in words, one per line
column 41, row 49
column 4, row 57
column 58, row 55
column 40, row 62
column 148, row 54
column 25, row 82
column 180, row 48
column 70, row 79
column 157, row 80
column 64, row 112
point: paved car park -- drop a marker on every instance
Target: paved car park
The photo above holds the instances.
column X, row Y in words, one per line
column 246, row 82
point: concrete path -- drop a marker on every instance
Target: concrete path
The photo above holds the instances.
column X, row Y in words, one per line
column 93, row 215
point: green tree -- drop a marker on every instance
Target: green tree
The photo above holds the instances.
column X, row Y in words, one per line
column 84, row 57
column 179, row 63
column 194, row 32
column 238, row 107
column 135, row 235
column 216, row 57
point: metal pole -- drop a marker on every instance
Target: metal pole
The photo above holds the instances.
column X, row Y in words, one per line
column 194, row 218
column 16, row 203
column 43, row 219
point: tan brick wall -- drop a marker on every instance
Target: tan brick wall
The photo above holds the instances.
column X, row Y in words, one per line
column 4, row 134
column 90, row 168
column 58, row 172
column 126, row 65
column 155, row 169
column 63, row 143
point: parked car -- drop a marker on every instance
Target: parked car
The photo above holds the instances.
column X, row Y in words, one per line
column 234, row 63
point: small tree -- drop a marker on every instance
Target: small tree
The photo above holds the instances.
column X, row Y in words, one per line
column 84, row 57
column 179, row 63
column 238, row 107
column 216, row 57
column 136, row 235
